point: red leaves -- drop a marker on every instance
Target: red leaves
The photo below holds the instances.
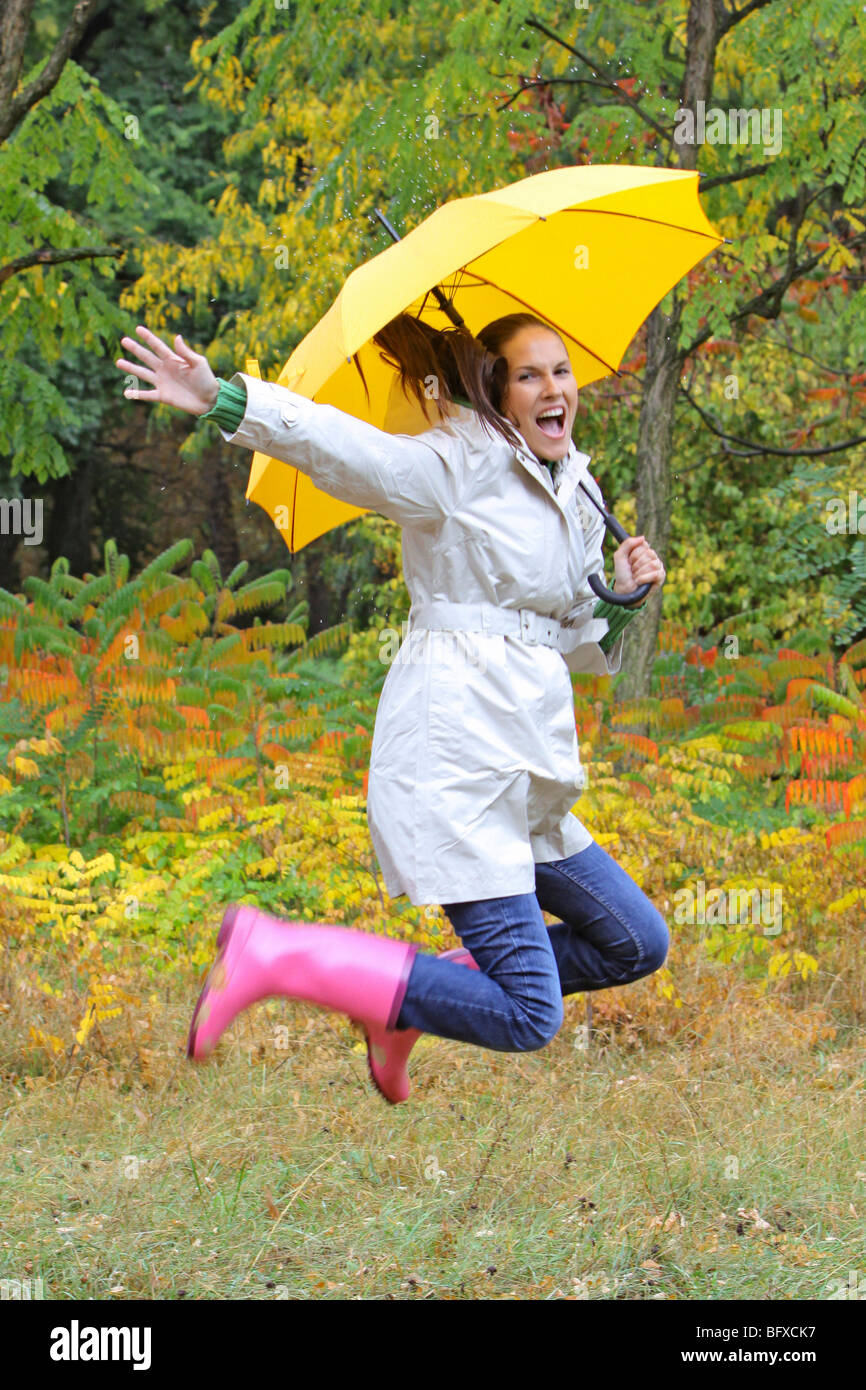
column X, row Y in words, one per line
column 696, row 656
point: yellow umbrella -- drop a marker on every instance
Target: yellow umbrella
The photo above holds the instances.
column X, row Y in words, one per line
column 590, row 250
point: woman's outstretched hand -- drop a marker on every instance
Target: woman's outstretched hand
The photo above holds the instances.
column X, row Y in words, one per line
column 181, row 378
column 636, row 563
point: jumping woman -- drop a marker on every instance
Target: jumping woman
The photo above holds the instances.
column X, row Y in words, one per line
column 475, row 764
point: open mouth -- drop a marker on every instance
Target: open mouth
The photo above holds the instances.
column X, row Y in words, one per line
column 552, row 422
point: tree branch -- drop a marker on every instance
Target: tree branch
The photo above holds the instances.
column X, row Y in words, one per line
column 527, row 83
column 768, row 303
column 606, row 80
column 14, row 27
column 796, row 352
column 48, row 255
column 718, row 179
column 755, row 449
column 728, row 18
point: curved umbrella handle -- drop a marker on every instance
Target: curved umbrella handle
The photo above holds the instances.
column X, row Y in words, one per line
column 600, row 589
column 595, row 581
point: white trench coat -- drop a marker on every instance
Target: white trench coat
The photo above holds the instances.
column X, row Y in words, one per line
column 475, row 763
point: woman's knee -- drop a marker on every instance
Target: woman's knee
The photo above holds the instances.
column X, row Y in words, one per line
column 535, row 1029
column 655, row 942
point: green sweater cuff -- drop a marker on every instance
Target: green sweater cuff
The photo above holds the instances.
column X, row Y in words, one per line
column 230, row 406
column 618, row 619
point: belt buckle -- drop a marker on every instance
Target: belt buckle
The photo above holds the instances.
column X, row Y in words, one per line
column 527, row 626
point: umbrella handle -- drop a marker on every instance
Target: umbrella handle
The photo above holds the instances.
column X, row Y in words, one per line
column 600, row 589
column 595, row 581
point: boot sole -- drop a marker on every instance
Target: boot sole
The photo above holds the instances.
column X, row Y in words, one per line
column 455, row 952
column 223, row 939
column 382, row 1093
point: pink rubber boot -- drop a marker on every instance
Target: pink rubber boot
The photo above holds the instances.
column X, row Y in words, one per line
column 388, row 1050
column 351, row 972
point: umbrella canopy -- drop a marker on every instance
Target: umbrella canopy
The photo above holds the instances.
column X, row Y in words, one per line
column 590, row 250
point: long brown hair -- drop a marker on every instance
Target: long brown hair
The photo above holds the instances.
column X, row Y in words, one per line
column 451, row 362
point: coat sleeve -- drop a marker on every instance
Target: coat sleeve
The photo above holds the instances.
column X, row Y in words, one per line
column 410, row 479
column 586, row 652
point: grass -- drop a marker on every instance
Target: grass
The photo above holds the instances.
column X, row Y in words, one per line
column 711, row 1162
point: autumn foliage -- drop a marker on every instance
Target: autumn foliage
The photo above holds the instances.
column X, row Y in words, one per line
column 165, row 751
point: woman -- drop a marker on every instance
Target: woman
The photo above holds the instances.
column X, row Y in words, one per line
column 475, row 763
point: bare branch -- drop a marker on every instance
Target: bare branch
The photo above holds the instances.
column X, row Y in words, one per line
column 607, row 81
column 755, row 449
column 14, row 27
column 48, row 255
column 728, row 18
column 767, row 341
column 718, row 179
column 527, row 83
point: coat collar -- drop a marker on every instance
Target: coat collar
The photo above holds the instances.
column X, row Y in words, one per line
column 567, row 472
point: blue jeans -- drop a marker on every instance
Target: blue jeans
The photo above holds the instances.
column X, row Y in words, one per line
column 610, row 934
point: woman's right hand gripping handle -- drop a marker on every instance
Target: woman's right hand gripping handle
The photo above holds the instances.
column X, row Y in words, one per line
column 181, row 378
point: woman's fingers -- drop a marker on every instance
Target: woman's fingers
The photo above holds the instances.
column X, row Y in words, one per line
column 155, row 344
column 133, row 394
column 135, row 368
column 150, row 359
column 183, row 350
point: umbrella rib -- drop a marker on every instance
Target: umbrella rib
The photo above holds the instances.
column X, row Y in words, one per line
column 481, row 280
column 650, row 222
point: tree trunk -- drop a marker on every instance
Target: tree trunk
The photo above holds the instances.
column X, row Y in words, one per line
column 69, row 529
column 655, row 432
column 222, row 532
column 664, row 363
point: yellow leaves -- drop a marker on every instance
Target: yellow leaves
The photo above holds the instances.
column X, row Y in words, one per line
column 781, row 963
column 25, row 767
column 84, row 1028
column 838, row 257
column 263, row 868
column 665, row 987
column 46, row 745
column 54, row 1046
column 779, row 838
column 213, row 819
column 607, row 838
column 198, row 793
column 93, row 868
column 849, row 900
column 176, row 775
column 105, row 1000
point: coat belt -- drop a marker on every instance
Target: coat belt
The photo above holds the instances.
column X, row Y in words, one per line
column 523, row 623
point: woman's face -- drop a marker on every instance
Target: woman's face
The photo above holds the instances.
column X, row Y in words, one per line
column 540, row 381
